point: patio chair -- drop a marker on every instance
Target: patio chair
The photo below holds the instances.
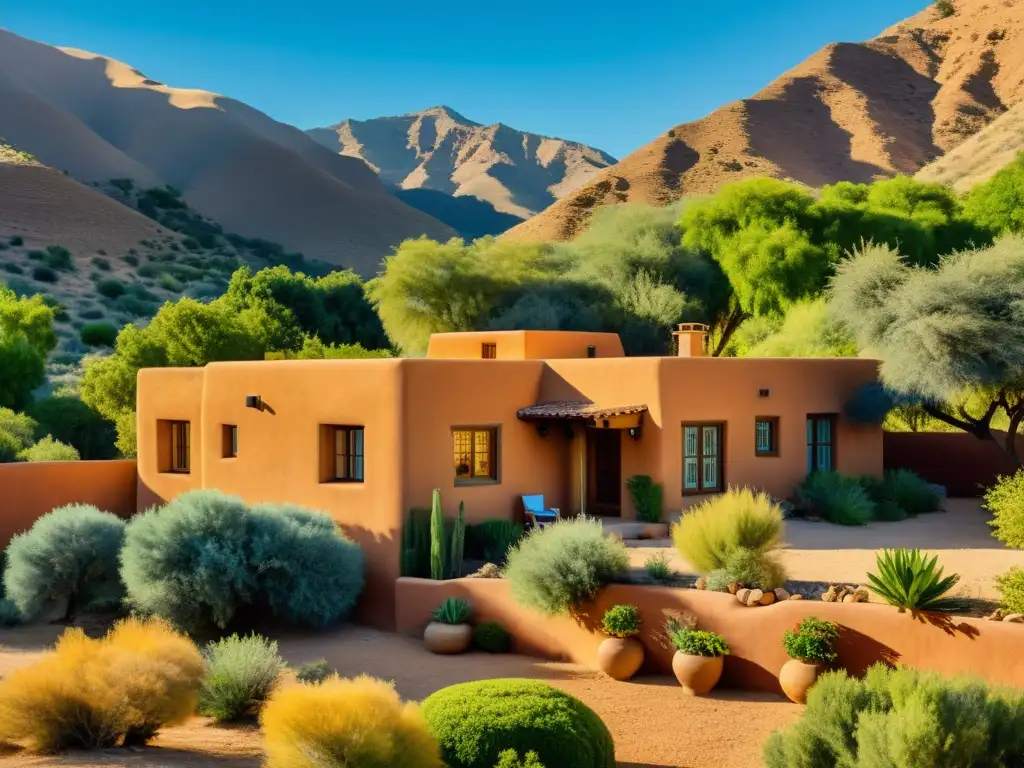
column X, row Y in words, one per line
column 536, row 514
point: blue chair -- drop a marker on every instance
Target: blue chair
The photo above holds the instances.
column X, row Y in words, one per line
column 536, row 514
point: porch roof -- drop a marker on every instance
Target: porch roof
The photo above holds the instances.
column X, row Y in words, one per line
column 576, row 409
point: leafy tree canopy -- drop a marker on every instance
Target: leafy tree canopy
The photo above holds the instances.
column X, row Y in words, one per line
column 998, row 204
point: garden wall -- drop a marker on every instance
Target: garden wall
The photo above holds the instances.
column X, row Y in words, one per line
column 868, row 633
column 961, row 462
column 30, row 490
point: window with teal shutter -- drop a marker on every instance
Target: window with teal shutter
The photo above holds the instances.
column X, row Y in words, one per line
column 821, row 429
column 702, row 458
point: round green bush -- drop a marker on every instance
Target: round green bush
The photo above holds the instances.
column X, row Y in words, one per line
column 98, row 334
column 1011, row 589
column 755, row 569
column 67, row 559
column 1005, row 500
column 475, row 722
column 837, row 498
column 49, row 449
column 621, row 621
column 491, row 637
column 240, row 674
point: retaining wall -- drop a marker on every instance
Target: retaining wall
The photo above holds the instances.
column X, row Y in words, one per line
column 961, row 462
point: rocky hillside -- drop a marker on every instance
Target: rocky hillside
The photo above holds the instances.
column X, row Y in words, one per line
column 978, row 158
column 852, row 111
column 517, row 173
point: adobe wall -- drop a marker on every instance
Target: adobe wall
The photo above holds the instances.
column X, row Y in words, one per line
column 868, row 632
column 30, row 490
column 523, row 345
column 965, row 465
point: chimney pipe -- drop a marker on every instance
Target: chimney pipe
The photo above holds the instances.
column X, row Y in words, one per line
column 690, row 339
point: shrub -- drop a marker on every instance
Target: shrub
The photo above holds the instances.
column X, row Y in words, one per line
column 492, row 539
column 560, row 566
column 452, row 610
column 16, row 240
column 1011, row 588
column 510, row 759
column 240, row 674
column 475, row 722
column 903, row 491
column 14, row 269
column 945, row 8
column 98, row 334
column 1005, row 500
column 696, row 642
column 101, row 264
column 68, row 558
column 48, row 449
column 658, row 568
column 19, row 427
column 902, row 718
column 314, row 671
column 718, row 580
column 68, row 419
column 416, row 544
column 10, row 616
column 345, row 724
column 835, row 497
column 100, row 693
column 910, row 581
column 647, row 498
column 111, row 287
column 736, row 519
column 621, row 621
column 44, row 275
column 491, row 637
column 811, row 641
column 130, row 259
column 58, row 257
column 754, row 569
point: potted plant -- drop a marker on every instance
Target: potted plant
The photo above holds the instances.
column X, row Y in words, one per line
column 697, row 663
column 619, row 656
column 449, row 632
column 809, row 645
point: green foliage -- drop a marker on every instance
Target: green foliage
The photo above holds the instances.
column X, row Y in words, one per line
column 452, row 610
column 491, row 637
column 511, row 759
column 944, row 8
column 1011, row 588
column 458, row 544
column 658, row 568
column 240, row 674
column 908, row 491
column 718, row 580
column 314, row 671
column 416, row 544
column 737, row 519
column 100, row 263
column 556, row 568
column 98, row 334
column 812, row 641
column 111, row 288
column 44, row 275
column 621, row 621
column 437, row 553
column 59, row 258
column 125, row 426
column 24, row 369
column 17, row 430
column 207, row 560
column 475, row 722
column 48, row 449
column 806, row 330
column 491, row 540
column 10, row 616
column 647, row 498
column 998, row 204
column 16, row 241
column 696, row 642
column 754, row 568
column 911, row 581
column 314, row 349
column 835, row 497
column 67, row 559
column 902, row 718
column 69, row 420
column 1005, row 500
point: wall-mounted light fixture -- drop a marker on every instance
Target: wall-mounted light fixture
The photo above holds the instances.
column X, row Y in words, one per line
column 570, row 433
column 542, row 430
column 254, row 401
column 634, row 432
column 763, row 393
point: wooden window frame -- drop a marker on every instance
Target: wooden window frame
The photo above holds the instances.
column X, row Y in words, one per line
column 773, row 432
column 719, row 457
column 180, row 448
column 494, row 433
column 353, row 456
column 833, row 420
column 229, row 441
column 489, row 350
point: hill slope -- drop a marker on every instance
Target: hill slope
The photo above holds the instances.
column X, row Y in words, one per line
column 850, row 111
column 979, row 157
column 438, row 149
column 100, row 119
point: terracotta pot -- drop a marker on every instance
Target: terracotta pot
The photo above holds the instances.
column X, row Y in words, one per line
column 796, row 677
column 654, row 531
column 697, row 674
column 447, row 638
column 620, row 658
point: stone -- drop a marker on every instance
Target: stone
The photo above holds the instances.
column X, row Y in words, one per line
column 996, row 615
column 754, row 597
column 701, row 583
column 841, row 593
column 486, row 571
column 863, row 595
column 796, row 596
column 735, row 587
column 742, row 595
column 829, row 595
column 767, row 598
column 849, row 598
column 1014, row 618
column 781, row 594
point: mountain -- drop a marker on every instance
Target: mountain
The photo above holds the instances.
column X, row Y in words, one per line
column 517, row 173
column 99, row 119
column 852, row 111
column 979, row 157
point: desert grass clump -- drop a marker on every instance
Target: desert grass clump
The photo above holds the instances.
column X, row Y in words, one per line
column 1011, row 589
column 555, row 569
column 92, row 694
column 314, row 671
column 346, row 723
column 659, row 569
column 754, row 568
column 837, row 498
column 737, row 519
column 1005, row 500
column 240, row 674
column 66, row 561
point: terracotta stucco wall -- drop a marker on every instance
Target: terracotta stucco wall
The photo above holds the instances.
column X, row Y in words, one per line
column 30, row 490
column 963, row 464
column 868, row 633
column 523, row 345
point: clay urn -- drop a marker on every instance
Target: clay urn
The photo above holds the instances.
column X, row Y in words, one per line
column 698, row 675
column 620, row 657
column 796, row 678
column 447, row 638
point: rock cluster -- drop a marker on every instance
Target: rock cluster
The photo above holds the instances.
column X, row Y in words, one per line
column 827, row 592
column 1001, row 614
column 486, row 571
column 839, row 593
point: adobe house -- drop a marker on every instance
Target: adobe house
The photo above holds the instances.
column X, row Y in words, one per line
column 488, row 417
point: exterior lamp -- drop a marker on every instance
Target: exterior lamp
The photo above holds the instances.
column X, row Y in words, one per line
column 634, row 432
column 542, row 430
column 254, row 401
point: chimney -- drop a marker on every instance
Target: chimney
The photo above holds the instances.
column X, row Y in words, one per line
column 690, row 339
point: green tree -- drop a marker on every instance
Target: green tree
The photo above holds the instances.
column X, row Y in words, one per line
column 998, row 204
column 48, row 449
column 69, row 420
column 17, row 432
column 29, row 317
column 314, row 349
column 26, row 338
column 806, row 330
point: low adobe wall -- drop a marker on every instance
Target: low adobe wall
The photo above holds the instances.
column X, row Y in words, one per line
column 961, row 462
column 868, row 633
column 31, row 489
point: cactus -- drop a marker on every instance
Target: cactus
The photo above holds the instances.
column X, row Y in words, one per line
column 436, row 537
column 458, row 542
column 416, row 544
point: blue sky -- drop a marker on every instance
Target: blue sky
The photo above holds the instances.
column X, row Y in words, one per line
column 614, row 75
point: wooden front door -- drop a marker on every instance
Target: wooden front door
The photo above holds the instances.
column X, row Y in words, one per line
column 605, row 472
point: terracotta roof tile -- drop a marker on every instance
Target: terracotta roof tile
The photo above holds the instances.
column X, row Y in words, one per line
column 577, row 409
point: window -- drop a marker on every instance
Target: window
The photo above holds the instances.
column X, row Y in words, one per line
column 348, row 455
column 476, row 454
column 702, row 458
column 766, row 436
column 229, row 441
column 180, row 445
column 489, row 351
column 821, row 430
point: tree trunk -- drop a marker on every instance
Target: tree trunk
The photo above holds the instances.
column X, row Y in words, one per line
column 736, row 316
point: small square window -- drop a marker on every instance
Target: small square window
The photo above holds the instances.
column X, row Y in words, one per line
column 475, row 454
column 229, row 441
column 766, row 436
column 343, row 454
column 180, row 446
column 489, row 351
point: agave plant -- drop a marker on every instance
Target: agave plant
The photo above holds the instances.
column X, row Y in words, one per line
column 910, row 580
column 453, row 610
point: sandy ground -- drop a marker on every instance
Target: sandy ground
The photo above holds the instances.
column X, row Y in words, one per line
column 960, row 536
column 654, row 724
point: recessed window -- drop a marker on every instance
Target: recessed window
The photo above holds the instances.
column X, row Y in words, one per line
column 766, row 436
column 229, row 441
column 702, row 458
column 346, row 455
column 476, row 454
column 821, row 431
column 180, row 446
column 489, row 351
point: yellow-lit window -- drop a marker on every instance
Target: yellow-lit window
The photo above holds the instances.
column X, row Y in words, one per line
column 476, row 454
